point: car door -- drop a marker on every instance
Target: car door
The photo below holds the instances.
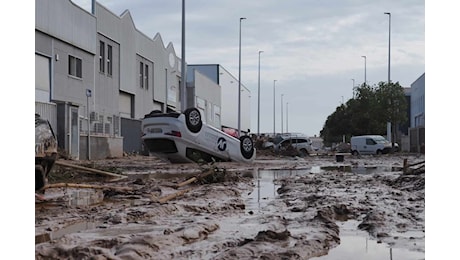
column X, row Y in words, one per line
column 369, row 146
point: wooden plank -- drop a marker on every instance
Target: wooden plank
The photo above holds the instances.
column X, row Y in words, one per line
column 173, row 196
column 87, row 186
column 209, row 172
column 111, row 174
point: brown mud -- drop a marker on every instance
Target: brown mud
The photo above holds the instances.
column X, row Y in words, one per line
column 217, row 216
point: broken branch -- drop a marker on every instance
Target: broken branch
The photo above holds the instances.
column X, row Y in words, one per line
column 172, row 196
column 209, row 172
column 89, row 186
column 111, row 174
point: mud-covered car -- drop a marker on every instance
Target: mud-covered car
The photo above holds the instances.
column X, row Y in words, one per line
column 183, row 137
column 299, row 142
column 45, row 151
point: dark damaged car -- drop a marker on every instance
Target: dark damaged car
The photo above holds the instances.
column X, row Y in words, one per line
column 45, row 151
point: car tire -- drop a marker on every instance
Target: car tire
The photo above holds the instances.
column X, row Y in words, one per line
column 40, row 179
column 355, row 153
column 246, row 146
column 193, row 119
column 304, row 153
column 379, row 152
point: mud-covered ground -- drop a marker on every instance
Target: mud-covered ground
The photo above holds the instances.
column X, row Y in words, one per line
column 275, row 208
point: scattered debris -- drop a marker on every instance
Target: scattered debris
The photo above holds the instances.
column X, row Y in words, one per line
column 408, row 168
column 91, row 170
column 173, row 196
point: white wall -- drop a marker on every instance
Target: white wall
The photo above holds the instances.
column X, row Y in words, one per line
column 230, row 87
column 209, row 93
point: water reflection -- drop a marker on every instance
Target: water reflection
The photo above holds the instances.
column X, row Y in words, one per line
column 266, row 188
column 355, row 244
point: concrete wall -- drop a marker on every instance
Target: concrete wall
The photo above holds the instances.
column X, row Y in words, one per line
column 68, row 22
column 101, row 147
column 229, row 95
column 230, row 87
column 106, row 89
column 135, row 47
column 209, row 92
column 417, row 100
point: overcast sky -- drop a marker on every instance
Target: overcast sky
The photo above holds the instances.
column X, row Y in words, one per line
column 312, row 48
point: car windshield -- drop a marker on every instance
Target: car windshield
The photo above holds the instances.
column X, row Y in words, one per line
column 380, row 140
column 278, row 139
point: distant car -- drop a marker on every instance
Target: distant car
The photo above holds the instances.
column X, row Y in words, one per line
column 183, row 137
column 370, row 144
column 299, row 142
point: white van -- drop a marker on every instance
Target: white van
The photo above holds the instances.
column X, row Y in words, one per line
column 369, row 144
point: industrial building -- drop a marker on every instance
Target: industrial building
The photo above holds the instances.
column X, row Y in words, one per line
column 96, row 76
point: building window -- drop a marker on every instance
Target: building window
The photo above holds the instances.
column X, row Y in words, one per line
column 75, row 68
column 146, row 76
column 101, row 56
column 141, row 74
column 109, row 60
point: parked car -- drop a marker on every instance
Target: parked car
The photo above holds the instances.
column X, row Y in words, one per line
column 45, row 151
column 184, row 137
column 300, row 142
column 370, row 144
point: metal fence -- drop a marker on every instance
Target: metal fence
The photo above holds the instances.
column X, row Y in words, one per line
column 132, row 133
column 47, row 111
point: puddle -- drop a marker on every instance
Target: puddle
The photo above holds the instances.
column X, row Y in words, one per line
column 356, row 244
column 265, row 188
column 264, row 191
column 357, row 169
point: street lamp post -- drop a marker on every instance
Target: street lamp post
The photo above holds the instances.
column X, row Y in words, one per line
column 274, row 81
column 258, row 99
column 183, row 67
column 287, row 121
column 365, row 79
column 282, row 113
column 88, row 95
column 389, row 126
column 389, row 44
column 239, row 84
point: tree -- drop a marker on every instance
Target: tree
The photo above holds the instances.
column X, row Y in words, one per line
column 392, row 105
column 368, row 113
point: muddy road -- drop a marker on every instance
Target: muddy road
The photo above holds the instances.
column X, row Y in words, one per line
column 275, row 208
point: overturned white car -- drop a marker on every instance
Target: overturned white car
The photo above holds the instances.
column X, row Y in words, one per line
column 183, row 137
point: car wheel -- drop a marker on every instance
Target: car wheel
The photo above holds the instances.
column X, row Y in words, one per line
column 355, row 153
column 193, row 119
column 379, row 152
column 303, row 152
column 246, row 146
column 40, row 179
